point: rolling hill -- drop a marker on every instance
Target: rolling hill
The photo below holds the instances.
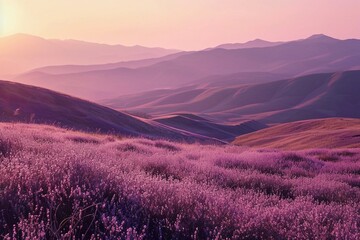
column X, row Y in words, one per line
column 22, row 52
column 308, row 97
column 194, row 124
column 320, row 133
column 316, row 54
column 22, row 103
column 241, row 78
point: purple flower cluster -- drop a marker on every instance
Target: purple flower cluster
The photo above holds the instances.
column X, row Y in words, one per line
column 60, row 184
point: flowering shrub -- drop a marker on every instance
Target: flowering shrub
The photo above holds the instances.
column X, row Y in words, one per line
column 60, row 184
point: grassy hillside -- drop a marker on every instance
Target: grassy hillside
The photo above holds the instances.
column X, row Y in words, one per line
column 320, row 133
column 57, row 183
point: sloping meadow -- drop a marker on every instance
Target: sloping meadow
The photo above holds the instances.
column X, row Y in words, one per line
column 60, row 184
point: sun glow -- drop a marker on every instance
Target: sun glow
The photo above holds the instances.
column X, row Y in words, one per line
column 179, row 24
column 9, row 17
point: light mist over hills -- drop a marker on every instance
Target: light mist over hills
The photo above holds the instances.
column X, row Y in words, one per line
column 23, row 52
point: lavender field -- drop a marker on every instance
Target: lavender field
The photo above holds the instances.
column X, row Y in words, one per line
column 57, row 183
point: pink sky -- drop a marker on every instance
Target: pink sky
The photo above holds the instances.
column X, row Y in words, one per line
column 181, row 24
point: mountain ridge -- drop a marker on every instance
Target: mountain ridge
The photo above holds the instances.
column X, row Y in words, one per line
column 256, row 43
column 310, row 96
column 294, row 58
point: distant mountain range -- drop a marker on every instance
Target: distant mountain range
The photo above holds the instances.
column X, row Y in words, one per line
column 316, row 54
column 22, row 52
column 257, row 43
column 307, row 97
column 66, row 69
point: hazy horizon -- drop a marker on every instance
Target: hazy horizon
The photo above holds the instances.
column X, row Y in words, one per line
column 155, row 46
column 179, row 24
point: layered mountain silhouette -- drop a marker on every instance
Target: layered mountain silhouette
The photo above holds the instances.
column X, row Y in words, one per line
column 22, row 52
column 320, row 133
column 187, row 95
column 66, row 69
column 306, row 97
column 316, row 54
